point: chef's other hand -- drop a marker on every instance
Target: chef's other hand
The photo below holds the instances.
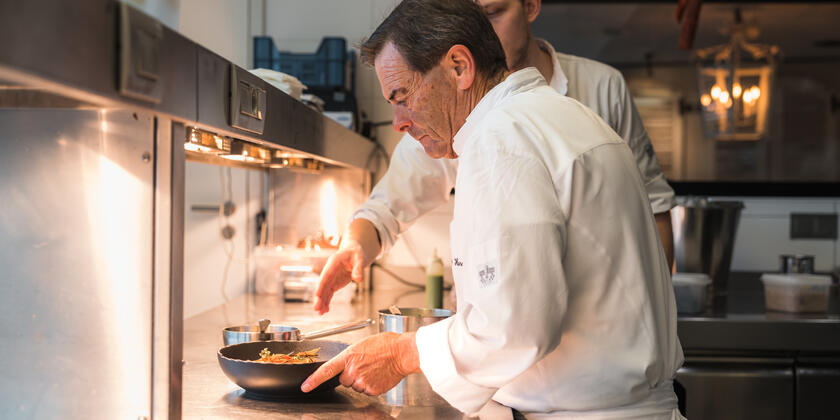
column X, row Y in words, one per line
column 359, row 247
column 372, row 366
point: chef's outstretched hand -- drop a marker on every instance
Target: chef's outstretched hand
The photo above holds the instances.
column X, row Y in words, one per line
column 372, row 366
column 359, row 248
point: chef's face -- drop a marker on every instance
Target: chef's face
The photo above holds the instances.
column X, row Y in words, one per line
column 422, row 102
column 511, row 19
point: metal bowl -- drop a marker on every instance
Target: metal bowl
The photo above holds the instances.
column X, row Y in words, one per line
column 410, row 319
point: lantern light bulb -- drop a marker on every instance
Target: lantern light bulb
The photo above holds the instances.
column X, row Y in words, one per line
column 736, row 90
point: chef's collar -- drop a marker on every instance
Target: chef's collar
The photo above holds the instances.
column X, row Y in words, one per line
column 559, row 81
column 522, row 80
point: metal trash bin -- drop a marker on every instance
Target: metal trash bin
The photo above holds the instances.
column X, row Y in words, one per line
column 704, row 237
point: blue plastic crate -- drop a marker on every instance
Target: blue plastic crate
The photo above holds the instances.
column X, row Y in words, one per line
column 326, row 68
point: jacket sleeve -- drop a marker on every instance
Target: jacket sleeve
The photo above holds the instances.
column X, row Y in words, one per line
column 626, row 122
column 512, row 294
column 413, row 185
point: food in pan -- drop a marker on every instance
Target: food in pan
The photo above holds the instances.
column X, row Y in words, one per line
column 309, row 356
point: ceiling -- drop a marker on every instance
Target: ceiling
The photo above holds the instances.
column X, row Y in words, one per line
column 625, row 33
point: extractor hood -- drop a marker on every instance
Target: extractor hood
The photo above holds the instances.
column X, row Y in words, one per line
column 106, row 53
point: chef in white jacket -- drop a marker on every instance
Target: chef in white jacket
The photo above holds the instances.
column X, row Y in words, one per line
column 565, row 308
column 415, row 184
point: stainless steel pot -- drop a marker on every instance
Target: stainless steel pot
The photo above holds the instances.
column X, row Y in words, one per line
column 796, row 264
column 409, row 319
column 704, row 237
column 266, row 331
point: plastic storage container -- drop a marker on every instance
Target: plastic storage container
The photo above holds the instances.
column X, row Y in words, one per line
column 796, row 292
column 289, row 271
column 690, row 290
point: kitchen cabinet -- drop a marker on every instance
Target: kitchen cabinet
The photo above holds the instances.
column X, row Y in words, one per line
column 745, row 362
column 725, row 388
column 817, row 386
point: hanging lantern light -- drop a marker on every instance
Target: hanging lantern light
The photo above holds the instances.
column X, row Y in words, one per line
column 735, row 83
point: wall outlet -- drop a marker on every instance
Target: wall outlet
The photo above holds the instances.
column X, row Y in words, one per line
column 813, row 226
column 228, row 232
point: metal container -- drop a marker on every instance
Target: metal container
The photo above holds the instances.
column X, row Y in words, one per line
column 270, row 332
column 409, row 319
column 802, row 264
column 704, row 237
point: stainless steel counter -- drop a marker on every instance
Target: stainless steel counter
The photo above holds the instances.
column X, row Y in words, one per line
column 738, row 321
column 208, row 394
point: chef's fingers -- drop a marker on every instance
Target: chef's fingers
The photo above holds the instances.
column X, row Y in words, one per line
column 345, row 379
column 359, row 386
column 333, row 277
column 329, row 369
column 358, row 266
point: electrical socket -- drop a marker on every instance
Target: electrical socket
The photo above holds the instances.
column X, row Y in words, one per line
column 228, row 208
column 228, row 232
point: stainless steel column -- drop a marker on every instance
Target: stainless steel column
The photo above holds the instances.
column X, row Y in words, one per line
column 76, row 222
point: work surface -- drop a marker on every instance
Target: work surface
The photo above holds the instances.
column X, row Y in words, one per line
column 738, row 322
column 208, row 394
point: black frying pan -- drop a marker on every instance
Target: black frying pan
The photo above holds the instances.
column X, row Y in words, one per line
column 271, row 380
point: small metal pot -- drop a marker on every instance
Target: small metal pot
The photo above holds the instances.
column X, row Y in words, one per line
column 265, row 331
column 796, row 264
column 409, row 319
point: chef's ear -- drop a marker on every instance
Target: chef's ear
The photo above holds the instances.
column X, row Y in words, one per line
column 459, row 62
column 532, row 9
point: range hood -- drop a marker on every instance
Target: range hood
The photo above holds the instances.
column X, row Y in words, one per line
column 107, row 54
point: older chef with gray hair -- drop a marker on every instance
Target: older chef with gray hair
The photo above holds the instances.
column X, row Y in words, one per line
column 415, row 184
column 565, row 308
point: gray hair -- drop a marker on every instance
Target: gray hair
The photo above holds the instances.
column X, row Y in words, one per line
column 424, row 30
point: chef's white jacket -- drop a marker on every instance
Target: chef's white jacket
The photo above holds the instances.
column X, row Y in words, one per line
column 565, row 304
column 414, row 183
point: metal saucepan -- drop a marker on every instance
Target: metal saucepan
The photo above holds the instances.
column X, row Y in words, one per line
column 271, row 380
column 267, row 332
column 402, row 320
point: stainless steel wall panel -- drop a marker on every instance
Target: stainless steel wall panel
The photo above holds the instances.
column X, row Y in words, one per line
column 75, row 275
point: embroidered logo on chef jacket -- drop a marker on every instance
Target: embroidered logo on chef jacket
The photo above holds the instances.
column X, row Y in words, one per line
column 457, row 262
column 486, row 275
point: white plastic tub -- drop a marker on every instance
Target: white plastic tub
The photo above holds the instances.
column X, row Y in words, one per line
column 289, row 269
column 796, row 292
column 690, row 290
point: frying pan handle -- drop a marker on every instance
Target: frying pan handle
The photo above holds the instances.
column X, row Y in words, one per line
column 337, row 330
